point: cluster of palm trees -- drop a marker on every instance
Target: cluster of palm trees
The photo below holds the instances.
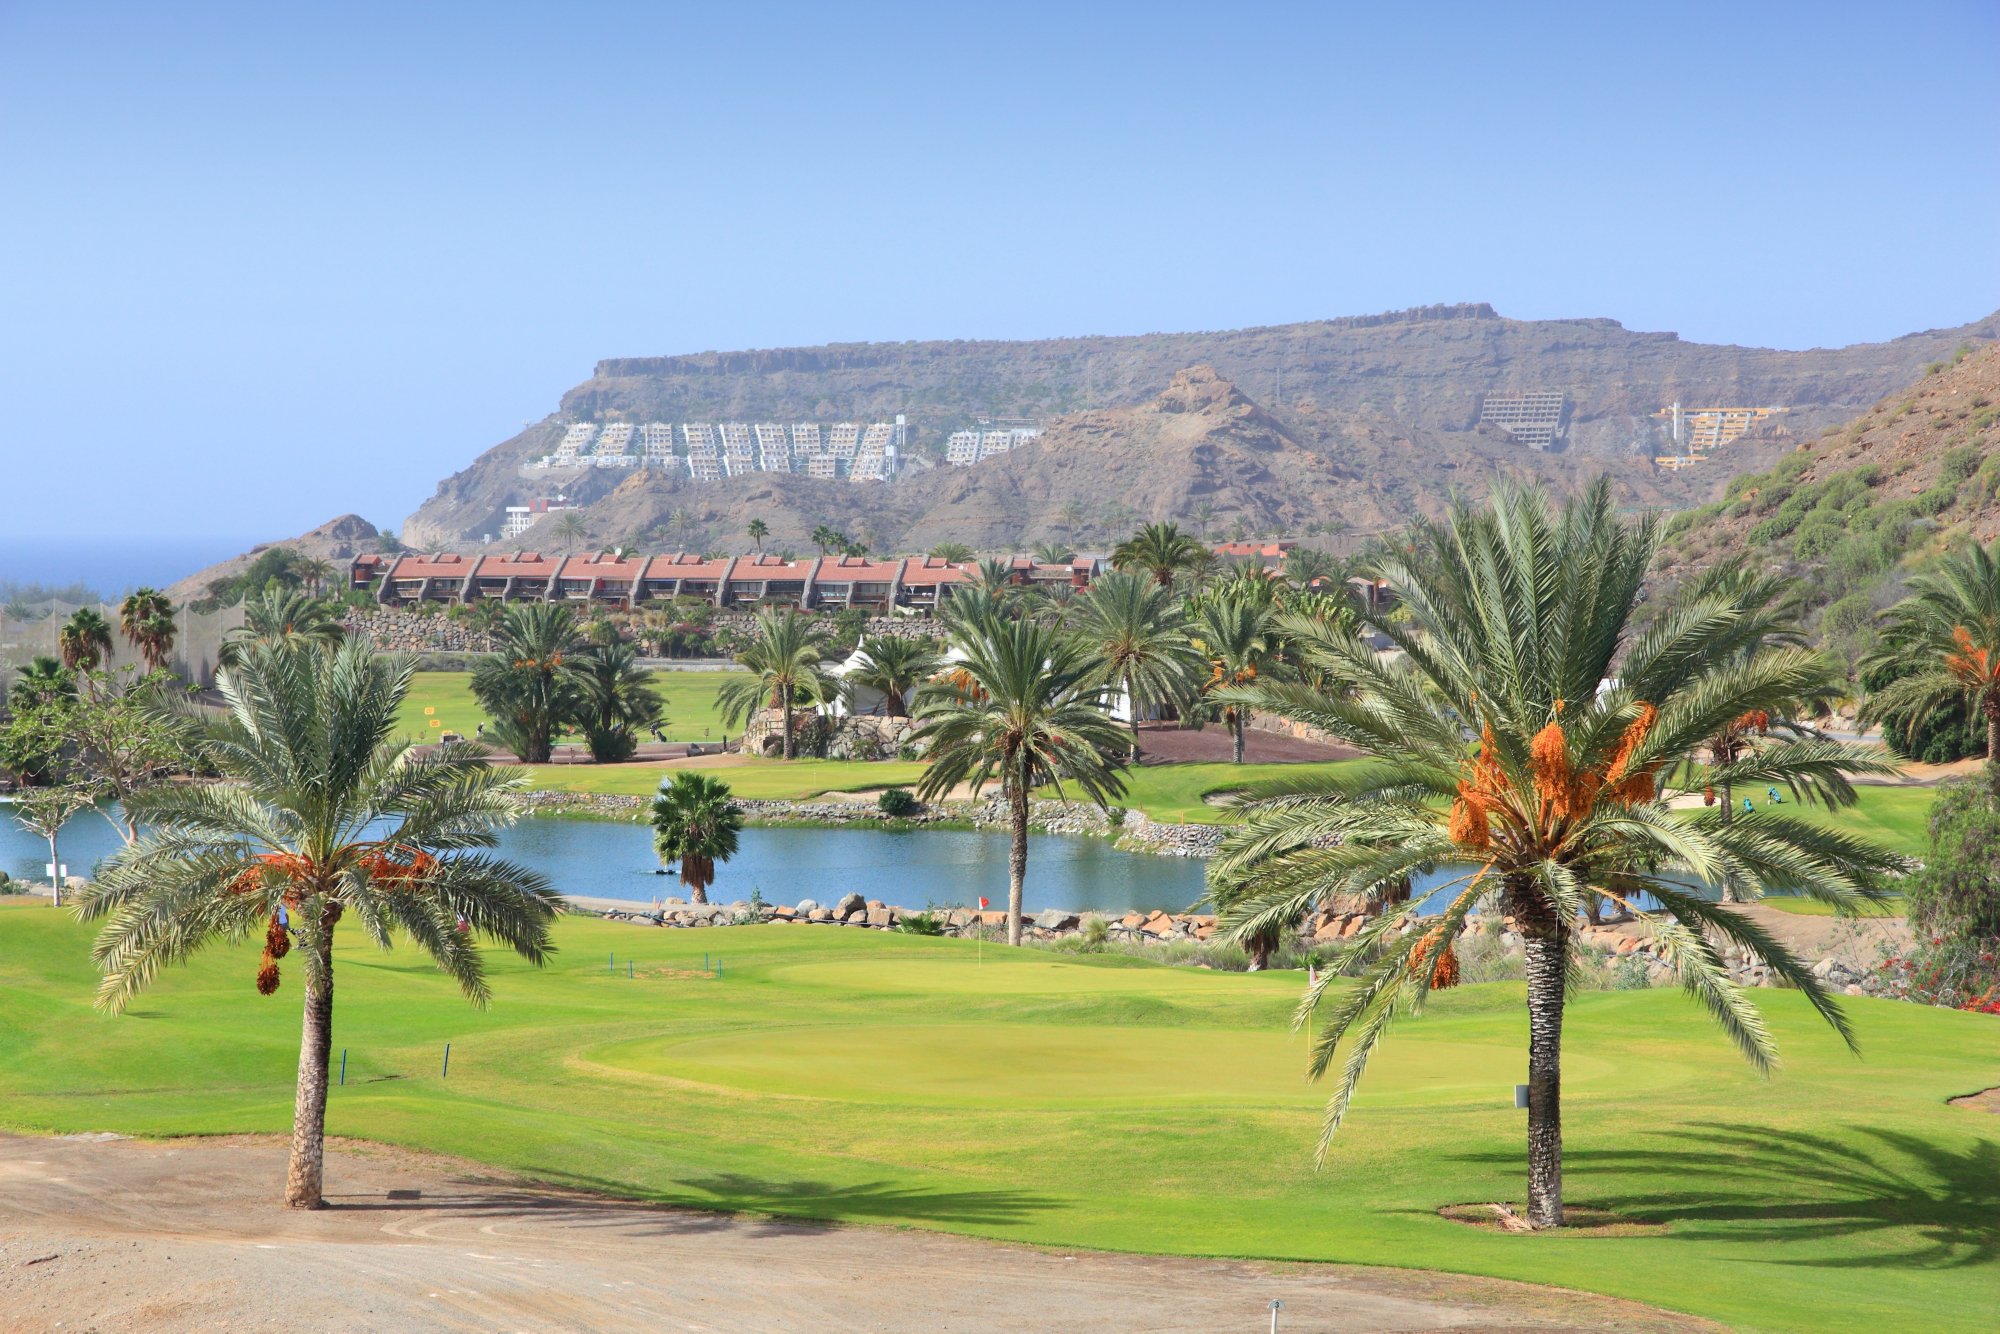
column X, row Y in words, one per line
column 546, row 675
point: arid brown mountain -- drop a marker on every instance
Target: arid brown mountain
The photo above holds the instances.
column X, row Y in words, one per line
column 1361, row 421
column 337, row 541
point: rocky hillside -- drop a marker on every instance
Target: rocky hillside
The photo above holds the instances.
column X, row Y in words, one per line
column 1379, row 413
column 337, row 540
column 1852, row 512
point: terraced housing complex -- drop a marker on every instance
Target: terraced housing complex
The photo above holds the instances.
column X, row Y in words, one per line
column 914, row 585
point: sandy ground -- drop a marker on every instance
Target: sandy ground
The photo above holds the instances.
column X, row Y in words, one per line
column 119, row 1235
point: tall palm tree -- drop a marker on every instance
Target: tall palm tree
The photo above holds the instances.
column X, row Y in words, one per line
column 1161, row 550
column 529, row 684
column 147, row 618
column 896, row 665
column 616, row 701
column 955, row 552
column 1027, row 707
column 323, row 816
column 1307, row 566
column 1950, row 625
column 316, row 571
column 783, row 658
column 569, row 528
column 828, row 538
column 695, row 823
column 84, row 640
column 1139, row 632
column 758, row 531
column 1520, row 631
column 1238, row 636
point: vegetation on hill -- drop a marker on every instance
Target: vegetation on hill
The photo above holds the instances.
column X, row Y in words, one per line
column 1851, row 516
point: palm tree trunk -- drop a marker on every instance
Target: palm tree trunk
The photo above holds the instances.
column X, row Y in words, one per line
column 1236, row 735
column 1992, row 710
column 785, row 702
column 1017, row 856
column 1729, row 894
column 304, row 1178
column 1545, row 957
column 1135, row 735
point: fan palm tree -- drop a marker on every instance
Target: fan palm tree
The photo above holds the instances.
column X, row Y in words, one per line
column 529, row 685
column 758, row 531
column 316, row 571
column 695, row 823
column 895, row 665
column 42, row 680
column 146, row 617
column 1027, row 706
column 1520, row 632
column 1139, row 632
column 955, row 552
column 1239, row 637
column 828, row 538
column 1054, row 553
column 616, row 701
column 84, row 640
column 1161, row 550
column 324, row 816
column 1950, row 624
column 783, row 658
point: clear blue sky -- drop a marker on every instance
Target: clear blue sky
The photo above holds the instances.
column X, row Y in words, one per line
column 266, row 264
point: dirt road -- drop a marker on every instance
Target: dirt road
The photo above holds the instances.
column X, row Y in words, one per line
column 124, row 1235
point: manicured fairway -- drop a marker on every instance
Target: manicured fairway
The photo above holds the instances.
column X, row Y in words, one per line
column 1087, row 1102
column 746, row 776
column 690, row 697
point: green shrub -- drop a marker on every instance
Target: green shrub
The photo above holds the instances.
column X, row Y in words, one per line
column 920, row 924
column 898, row 803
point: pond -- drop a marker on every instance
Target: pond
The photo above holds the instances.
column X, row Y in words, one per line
column 912, row 869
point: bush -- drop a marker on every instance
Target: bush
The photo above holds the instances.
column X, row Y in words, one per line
column 1946, row 735
column 920, row 924
column 1115, row 816
column 897, row 803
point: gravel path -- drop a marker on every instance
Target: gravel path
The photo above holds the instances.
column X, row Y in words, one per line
column 120, row 1234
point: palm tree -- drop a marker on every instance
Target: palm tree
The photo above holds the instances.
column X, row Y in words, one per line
column 758, row 531
column 322, row 816
column 1307, row 566
column 616, row 701
column 1054, row 553
column 1239, row 638
column 316, row 571
column 1161, row 550
column 695, row 823
column 44, row 679
column 1140, row 635
column 957, row 553
column 783, row 658
column 147, row 618
column 1520, row 632
column 529, row 684
column 568, row 528
column 895, row 665
column 1026, row 706
column 1204, row 518
column 996, row 576
column 828, row 538
column 84, row 640
column 1950, row 624
column 283, row 616
column 685, row 524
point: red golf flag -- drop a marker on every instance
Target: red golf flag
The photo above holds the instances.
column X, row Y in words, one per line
column 982, row 900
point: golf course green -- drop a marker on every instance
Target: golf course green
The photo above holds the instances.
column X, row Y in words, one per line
column 1077, row 1101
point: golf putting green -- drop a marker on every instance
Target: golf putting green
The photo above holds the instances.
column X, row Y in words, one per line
column 998, row 970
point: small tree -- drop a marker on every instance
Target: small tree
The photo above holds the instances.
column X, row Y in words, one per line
column 695, row 823
column 615, row 702
column 44, row 811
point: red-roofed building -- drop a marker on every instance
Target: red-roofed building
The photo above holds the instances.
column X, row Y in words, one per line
column 857, row 581
column 1271, row 555
column 602, row 578
column 926, row 581
column 517, row 576
column 765, row 578
column 365, row 569
column 685, row 575
column 439, row 576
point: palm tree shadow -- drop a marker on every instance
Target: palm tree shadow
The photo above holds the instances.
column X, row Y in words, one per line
column 1790, row 1187
column 717, row 1204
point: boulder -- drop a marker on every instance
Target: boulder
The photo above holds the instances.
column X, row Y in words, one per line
column 881, row 916
column 1353, row 927
column 849, row 905
column 806, row 906
column 1056, row 920
column 821, row 915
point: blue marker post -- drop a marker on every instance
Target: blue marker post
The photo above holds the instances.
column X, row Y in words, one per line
column 611, row 965
column 628, row 969
column 446, row 1072
column 343, row 1067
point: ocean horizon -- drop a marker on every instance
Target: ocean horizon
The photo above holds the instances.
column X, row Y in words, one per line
column 112, row 566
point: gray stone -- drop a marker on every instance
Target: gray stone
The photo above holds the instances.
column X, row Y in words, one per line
column 849, row 905
column 1056, row 920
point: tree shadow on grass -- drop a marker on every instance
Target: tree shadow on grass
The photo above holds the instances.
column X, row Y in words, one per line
column 708, row 1204
column 1788, row 1187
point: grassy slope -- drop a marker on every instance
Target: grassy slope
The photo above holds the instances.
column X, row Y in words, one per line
column 690, row 698
column 891, row 1079
column 746, row 777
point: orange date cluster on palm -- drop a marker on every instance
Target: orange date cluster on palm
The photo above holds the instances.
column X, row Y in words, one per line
column 1969, row 663
column 293, row 869
column 1560, row 791
column 1444, row 969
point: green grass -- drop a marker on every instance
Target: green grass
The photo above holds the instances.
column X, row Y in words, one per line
column 1894, row 816
column 1176, row 793
column 747, row 777
column 690, row 697
column 1088, row 1102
